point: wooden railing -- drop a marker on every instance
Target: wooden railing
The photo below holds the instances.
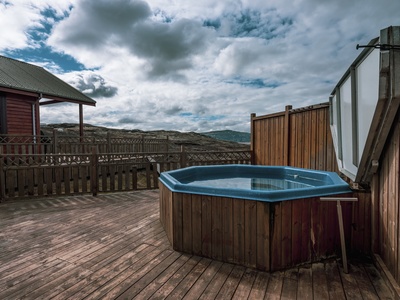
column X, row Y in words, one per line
column 62, row 144
column 30, row 175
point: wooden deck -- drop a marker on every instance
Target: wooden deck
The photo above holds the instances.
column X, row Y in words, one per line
column 113, row 247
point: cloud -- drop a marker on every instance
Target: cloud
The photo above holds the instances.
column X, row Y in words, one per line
column 265, row 24
column 189, row 64
column 93, row 85
column 99, row 23
column 164, row 48
column 169, row 47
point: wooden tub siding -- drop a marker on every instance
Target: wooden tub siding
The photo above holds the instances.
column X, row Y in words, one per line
column 256, row 234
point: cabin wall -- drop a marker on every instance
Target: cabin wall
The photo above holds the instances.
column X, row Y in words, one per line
column 302, row 138
column 386, row 198
column 20, row 114
column 3, row 116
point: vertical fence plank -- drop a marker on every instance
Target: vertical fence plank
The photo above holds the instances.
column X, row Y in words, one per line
column 238, row 230
column 155, row 176
column 127, row 176
column 120, row 169
column 134, row 178
column 276, row 238
column 30, row 181
column 286, row 242
column 94, row 172
column 263, row 236
column 196, row 224
column 227, row 229
column 21, row 175
column 104, row 178
column 250, row 233
column 40, row 182
column 177, row 221
column 216, row 228
column 112, row 169
column 187, row 221
column 148, row 179
column 206, row 226
column 58, row 175
column 84, row 178
column 2, row 177
column 67, row 180
column 296, row 220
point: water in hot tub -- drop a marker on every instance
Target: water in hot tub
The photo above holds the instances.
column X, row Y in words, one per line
column 254, row 183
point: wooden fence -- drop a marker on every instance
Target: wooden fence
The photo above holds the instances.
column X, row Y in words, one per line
column 295, row 137
column 30, row 175
column 302, row 138
column 62, row 144
column 385, row 204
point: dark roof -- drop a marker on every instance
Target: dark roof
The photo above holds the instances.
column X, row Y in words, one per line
column 18, row 75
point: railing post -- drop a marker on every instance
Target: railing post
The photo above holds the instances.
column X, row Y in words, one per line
column 286, row 146
column 252, row 135
column 108, row 142
column 2, row 177
column 183, row 157
column 55, row 141
column 94, row 173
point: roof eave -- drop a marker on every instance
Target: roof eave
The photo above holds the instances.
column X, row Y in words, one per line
column 38, row 94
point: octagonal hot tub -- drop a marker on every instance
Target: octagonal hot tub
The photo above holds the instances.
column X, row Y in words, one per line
column 242, row 213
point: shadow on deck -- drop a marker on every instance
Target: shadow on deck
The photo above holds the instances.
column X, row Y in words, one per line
column 113, row 246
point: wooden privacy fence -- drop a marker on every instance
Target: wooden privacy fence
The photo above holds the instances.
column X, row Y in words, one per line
column 295, row 137
column 61, row 144
column 65, row 174
column 301, row 138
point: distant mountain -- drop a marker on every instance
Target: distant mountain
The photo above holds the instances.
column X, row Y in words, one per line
column 229, row 135
column 192, row 141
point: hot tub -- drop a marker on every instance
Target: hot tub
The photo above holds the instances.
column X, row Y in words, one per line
column 241, row 213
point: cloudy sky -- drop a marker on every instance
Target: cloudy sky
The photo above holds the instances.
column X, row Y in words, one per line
column 191, row 65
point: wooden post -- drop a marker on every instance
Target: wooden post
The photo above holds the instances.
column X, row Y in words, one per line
column 55, row 141
column 108, row 142
column 341, row 229
column 252, row 135
column 183, row 157
column 286, row 145
column 2, row 177
column 81, row 122
column 94, row 173
column 142, row 143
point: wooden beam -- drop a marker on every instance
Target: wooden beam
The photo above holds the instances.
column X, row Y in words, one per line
column 81, row 120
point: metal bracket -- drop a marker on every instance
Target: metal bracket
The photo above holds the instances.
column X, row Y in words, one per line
column 383, row 47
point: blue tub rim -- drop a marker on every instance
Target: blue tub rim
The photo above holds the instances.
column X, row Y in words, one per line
column 334, row 184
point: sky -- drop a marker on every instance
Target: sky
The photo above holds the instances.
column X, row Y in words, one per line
column 190, row 65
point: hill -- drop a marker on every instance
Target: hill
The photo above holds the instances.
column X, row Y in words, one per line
column 229, row 135
column 192, row 141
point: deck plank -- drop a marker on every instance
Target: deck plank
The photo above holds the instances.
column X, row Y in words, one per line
column 335, row 288
column 304, row 286
column 113, row 246
column 320, row 284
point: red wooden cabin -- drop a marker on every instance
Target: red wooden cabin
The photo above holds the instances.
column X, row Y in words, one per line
column 24, row 88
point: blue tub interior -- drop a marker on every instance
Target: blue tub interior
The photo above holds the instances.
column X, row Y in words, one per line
column 263, row 183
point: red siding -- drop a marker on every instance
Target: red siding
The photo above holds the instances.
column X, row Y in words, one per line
column 19, row 114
